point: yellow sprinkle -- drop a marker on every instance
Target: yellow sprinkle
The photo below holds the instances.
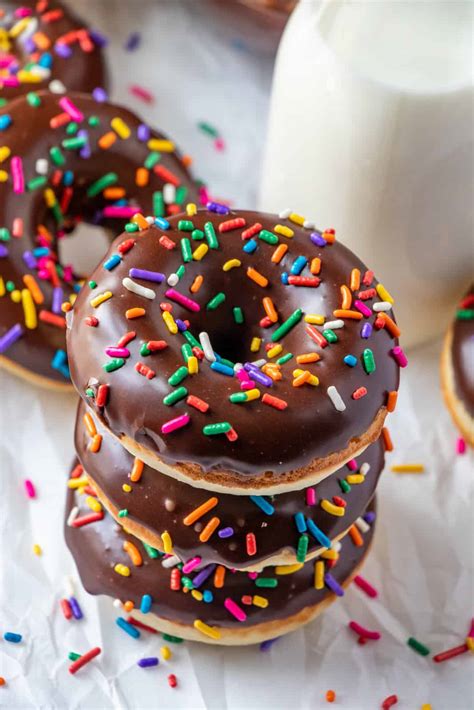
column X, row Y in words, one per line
column 314, row 319
column 122, row 569
column 27, row 77
column 255, row 345
column 94, row 504
column 261, row 602
column 297, row 218
column 276, row 350
column 170, row 322
column 211, row 631
column 165, row 653
column 19, row 27
column 470, row 643
column 167, row 543
column 5, row 153
column 252, row 394
column 193, row 365
column 354, row 478
column 197, row 594
column 383, row 293
column 126, row 487
column 330, row 555
column 200, row 252
column 2, row 287
column 29, row 309
column 426, row 706
column 408, row 468
column 77, row 482
column 49, row 197
column 140, row 220
column 101, row 298
column 319, row 575
column 16, row 296
column 3, row 176
column 332, row 509
column 120, row 127
column 191, row 210
column 231, row 264
column 284, row 231
column 161, row 145
column 288, row 569
column 37, row 550
column 312, row 379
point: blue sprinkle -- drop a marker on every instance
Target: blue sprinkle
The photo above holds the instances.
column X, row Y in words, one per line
column 5, row 121
column 76, row 288
column 284, row 278
column 223, row 369
column 300, row 523
column 318, row 534
column 145, row 605
column 250, row 246
column 148, row 662
column 143, row 135
column 112, row 262
column 75, row 608
column 217, row 208
column 162, row 223
column 298, row 265
column 369, row 517
column 68, row 178
column 226, row 532
column 266, row 645
column 40, row 251
column 133, row 41
column 318, row 239
column 207, row 596
column 263, row 504
column 366, row 331
column 46, row 60
column 181, row 325
column 128, row 628
column 12, row 637
column 123, row 202
column 350, row 360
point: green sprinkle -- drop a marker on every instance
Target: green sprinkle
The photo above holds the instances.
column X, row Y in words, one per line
column 229, row 363
column 185, row 225
column 57, row 213
column 302, row 548
column 131, row 227
column 211, row 235
column 207, row 128
column 465, row 314
column 368, row 360
column 36, row 182
column 56, row 155
column 144, row 350
column 219, row 428
column 268, row 237
column 172, row 639
column 73, row 656
column 175, row 396
column 72, row 128
column 92, row 284
column 418, row 647
column 123, row 513
column 180, row 271
column 152, row 159
column 99, row 185
column 178, row 376
column 266, row 582
column 151, row 551
column 93, row 121
column 186, row 352
column 330, row 335
column 197, row 235
column 287, row 325
column 181, row 194
column 4, row 234
column 284, row 358
column 186, row 250
column 238, row 397
column 345, row 487
column 90, row 392
column 216, row 301
column 74, row 143
column 10, row 286
column 158, row 204
column 114, row 364
column 3, row 102
column 191, row 339
column 238, row 315
column 33, row 99
column 187, row 582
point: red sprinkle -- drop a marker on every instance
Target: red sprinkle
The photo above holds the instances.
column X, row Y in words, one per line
column 77, row 471
column 92, row 321
column 74, row 667
column 275, row 402
column 102, row 395
column 315, row 335
column 167, row 243
column 145, row 370
column 388, row 702
column 175, row 580
column 66, row 609
column 165, row 306
column 139, row 625
column 450, row 653
column 251, row 544
column 312, row 281
column 125, row 246
column 368, row 277
column 156, row 345
column 366, row 295
column 231, row 224
column 337, row 500
column 252, row 231
column 166, row 175
column 266, row 322
column 232, row 435
column 86, row 519
column 246, row 599
column 126, row 339
column 197, row 403
column 172, row 681
column 52, row 319
column 359, row 393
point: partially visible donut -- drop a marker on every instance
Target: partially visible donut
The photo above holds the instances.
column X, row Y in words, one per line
column 63, row 160
column 457, row 367
column 264, row 288
column 43, row 45
column 232, row 608
column 240, row 532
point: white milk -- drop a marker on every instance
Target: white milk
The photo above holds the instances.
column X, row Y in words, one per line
column 371, row 132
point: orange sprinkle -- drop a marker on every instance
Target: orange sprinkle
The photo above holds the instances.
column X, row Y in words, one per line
column 315, row 267
column 219, row 577
column 330, row 696
column 346, row 298
column 114, row 193
column 257, row 277
column 95, row 444
column 107, row 140
column 187, row 161
column 329, row 235
column 279, row 253
column 387, row 439
column 133, row 552
column 196, row 284
column 41, row 40
column 306, row 358
column 137, row 470
column 270, row 309
column 60, row 120
column 301, row 379
column 392, row 401
column 2, row 680
column 343, row 313
column 272, row 371
column 142, row 177
column 200, row 511
column 209, row 529
column 134, row 313
column 355, row 279
column 140, row 220
column 390, row 324
column 32, row 286
column 90, row 424
column 356, row 536
column 128, row 605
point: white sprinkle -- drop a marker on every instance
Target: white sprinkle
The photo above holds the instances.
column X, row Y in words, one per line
column 138, row 289
column 259, row 363
column 42, row 72
column 171, row 561
column 169, row 193
column 336, row 546
column 68, row 586
column 41, row 166
column 150, row 220
column 362, row 525
column 172, row 279
column 117, row 604
column 364, row 469
column 72, row 516
column 382, row 306
column 207, row 347
column 336, row 398
column 238, row 367
column 29, row 29
column 285, row 213
column 334, row 324
column 57, row 87
column 308, row 224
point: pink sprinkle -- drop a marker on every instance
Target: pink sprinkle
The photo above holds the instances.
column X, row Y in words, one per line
column 117, row 352
column 362, row 308
column 252, row 575
column 247, row 385
column 183, row 300
column 30, row 489
column 471, row 630
column 72, row 110
column 461, row 446
column 10, row 81
column 235, row 609
column 141, row 93
column 232, row 435
column 16, row 167
column 363, row 632
column 17, row 229
column 191, row 564
column 399, row 356
column 365, row 586
column 219, row 144
column 203, row 195
column 23, row 12
column 352, row 465
column 173, row 424
column 120, row 212
column 310, row 496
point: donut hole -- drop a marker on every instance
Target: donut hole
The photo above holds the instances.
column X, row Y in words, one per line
column 84, row 247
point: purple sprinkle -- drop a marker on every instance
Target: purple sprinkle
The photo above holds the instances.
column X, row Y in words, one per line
column 143, row 132
column 369, row 517
column 3, row 251
column 10, row 337
column 29, row 46
column 266, row 645
column 333, row 585
column 75, row 608
column 257, row 376
column 85, row 151
column 148, row 662
column 203, row 574
column 62, row 50
column 57, row 299
column 99, row 94
column 181, row 325
column 226, row 532
column 317, row 239
column 98, row 38
column 133, row 41
column 155, row 276
column 366, row 330
column 217, row 208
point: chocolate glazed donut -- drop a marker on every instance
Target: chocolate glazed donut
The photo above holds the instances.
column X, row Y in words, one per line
column 304, row 316
column 64, row 160
column 43, row 45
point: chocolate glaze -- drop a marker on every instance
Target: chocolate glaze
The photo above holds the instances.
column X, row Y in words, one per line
column 81, row 71
column 268, row 440
column 462, row 353
column 31, row 137
column 160, row 503
column 98, row 547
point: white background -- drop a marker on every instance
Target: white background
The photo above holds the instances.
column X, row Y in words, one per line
column 422, row 559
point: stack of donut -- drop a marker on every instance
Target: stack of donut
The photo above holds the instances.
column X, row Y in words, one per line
column 235, row 370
